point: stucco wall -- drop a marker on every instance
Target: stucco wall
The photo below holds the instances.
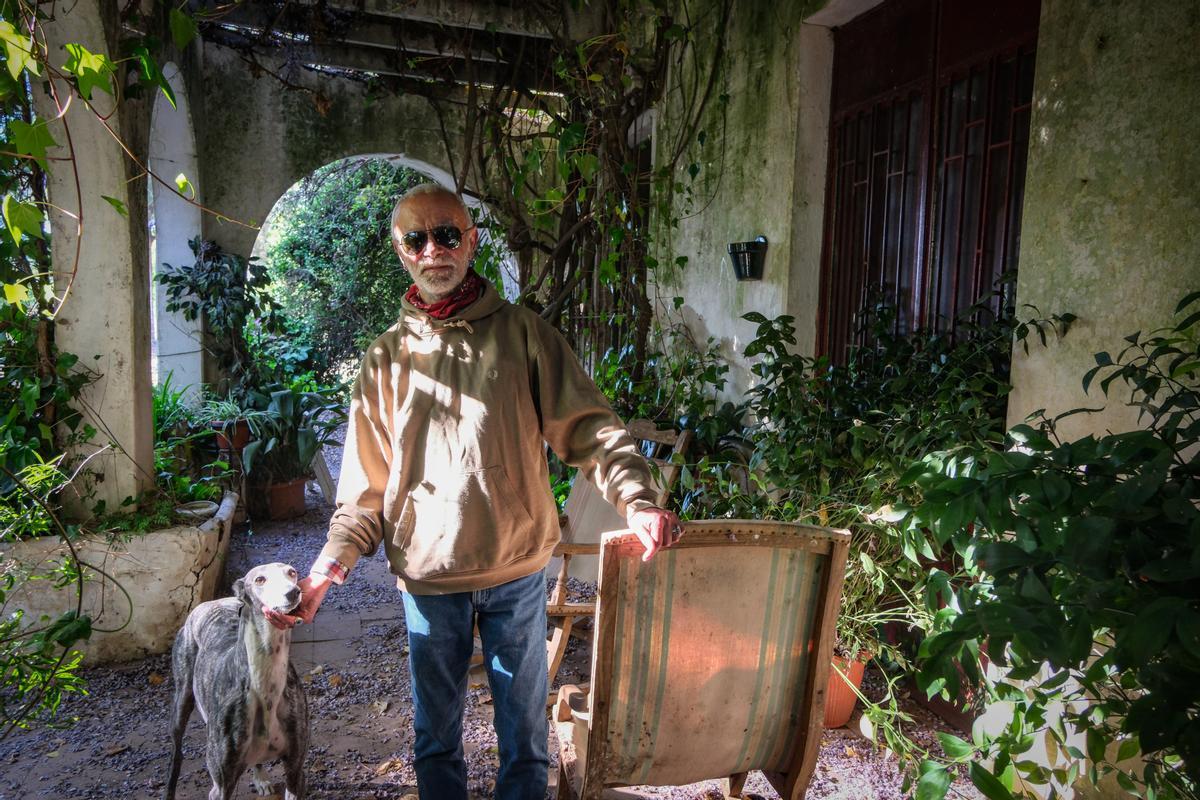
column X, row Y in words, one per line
column 256, row 138
column 1111, row 228
column 762, row 172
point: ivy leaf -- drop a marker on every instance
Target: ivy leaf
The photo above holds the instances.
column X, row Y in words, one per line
column 22, row 218
column 91, row 70
column 32, row 140
column 151, row 72
column 183, row 28
column 18, row 49
column 15, row 293
column 117, row 204
column 184, row 185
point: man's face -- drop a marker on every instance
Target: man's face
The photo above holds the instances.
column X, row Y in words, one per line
column 436, row 270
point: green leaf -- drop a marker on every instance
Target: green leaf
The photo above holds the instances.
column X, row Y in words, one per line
column 18, row 50
column 32, row 139
column 183, row 28
column 955, row 747
column 69, row 629
column 22, row 218
column 1128, row 749
column 933, row 783
column 117, row 204
column 15, row 293
column 91, row 70
column 185, row 186
column 988, row 783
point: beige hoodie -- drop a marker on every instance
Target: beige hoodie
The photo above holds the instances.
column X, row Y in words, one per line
column 444, row 459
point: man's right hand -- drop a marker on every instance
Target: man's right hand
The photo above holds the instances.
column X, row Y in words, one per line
column 312, row 592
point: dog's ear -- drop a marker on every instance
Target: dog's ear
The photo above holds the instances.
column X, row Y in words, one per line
column 239, row 589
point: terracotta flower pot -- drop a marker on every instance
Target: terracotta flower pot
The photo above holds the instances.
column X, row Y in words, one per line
column 278, row 500
column 840, row 699
column 239, row 435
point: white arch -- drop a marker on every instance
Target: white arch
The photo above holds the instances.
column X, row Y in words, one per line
column 176, row 343
column 508, row 271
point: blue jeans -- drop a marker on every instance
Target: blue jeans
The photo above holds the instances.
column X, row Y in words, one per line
column 512, row 625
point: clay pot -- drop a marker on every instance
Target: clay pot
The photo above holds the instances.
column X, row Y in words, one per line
column 277, row 500
column 240, row 434
column 840, row 699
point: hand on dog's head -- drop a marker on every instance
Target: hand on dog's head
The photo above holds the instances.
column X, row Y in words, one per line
column 274, row 586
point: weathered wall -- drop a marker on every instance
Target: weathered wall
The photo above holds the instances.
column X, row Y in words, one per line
column 256, row 138
column 1111, row 228
column 762, row 173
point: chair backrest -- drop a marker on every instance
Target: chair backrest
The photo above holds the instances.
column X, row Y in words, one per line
column 712, row 658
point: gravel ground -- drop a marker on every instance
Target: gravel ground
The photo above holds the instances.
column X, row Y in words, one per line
column 358, row 692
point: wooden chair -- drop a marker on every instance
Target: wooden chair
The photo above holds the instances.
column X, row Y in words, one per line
column 586, row 517
column 709, row 660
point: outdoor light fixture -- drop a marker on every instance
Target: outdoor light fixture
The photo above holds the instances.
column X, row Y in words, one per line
column 748, row 258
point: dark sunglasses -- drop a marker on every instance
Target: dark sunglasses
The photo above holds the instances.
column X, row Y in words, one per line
column 447, row 236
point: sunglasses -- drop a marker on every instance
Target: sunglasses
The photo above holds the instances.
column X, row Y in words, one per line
column 447, row 236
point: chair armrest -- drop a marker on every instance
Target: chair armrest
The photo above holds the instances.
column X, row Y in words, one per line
column 570, row 609
column 573, row 549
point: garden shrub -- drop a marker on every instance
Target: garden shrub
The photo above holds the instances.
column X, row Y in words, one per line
column 334, row 273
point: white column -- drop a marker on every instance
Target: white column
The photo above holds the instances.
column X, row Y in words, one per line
column 104, row 320
column 176, row 221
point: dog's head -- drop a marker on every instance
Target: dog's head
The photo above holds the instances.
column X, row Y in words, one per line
column 272, row 585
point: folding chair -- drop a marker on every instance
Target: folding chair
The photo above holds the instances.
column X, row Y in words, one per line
column 709, row 660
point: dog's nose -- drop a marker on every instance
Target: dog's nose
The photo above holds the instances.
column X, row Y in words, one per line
column 293, row 595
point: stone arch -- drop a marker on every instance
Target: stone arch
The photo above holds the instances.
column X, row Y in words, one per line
column 177, row 345
column 509, row 273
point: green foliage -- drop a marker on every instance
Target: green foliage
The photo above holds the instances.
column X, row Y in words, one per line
column 1080, row 577
column 186, row 469
column 296, row 422
column 332, row 266
column 231, row 293
column 830, row 443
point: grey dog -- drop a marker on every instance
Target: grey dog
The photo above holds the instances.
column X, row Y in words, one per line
column 233, row 664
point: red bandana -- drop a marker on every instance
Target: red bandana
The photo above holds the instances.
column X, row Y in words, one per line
column 467, row 292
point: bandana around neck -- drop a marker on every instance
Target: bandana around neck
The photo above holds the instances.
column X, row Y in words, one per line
column 467, row 292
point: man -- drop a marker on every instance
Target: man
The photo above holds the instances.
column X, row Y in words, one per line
column 445, row 464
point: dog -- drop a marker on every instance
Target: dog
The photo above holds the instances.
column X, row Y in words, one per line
column 229, row 661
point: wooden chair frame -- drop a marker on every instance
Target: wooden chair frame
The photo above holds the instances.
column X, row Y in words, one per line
column 571, row 705
column 563, row 615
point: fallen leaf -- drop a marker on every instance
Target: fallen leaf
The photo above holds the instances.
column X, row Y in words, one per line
column 112, row 751
column 317, row 670
column 335, row 680
column 155, row 679
column 391, row 765
column 380, row 706
column 52, row 754
column 851, row 752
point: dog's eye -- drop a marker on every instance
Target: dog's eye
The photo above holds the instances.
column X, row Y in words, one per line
column 291, row 573
column 260, row 580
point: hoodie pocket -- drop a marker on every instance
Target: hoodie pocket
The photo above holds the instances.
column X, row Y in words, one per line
column 469, row 522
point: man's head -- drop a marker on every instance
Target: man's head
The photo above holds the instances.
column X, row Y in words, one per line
column 426, row 222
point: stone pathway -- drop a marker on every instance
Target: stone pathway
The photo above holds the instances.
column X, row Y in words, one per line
column 355, row 670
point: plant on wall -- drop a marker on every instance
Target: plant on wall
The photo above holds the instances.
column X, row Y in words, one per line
column 229, row 292
column 1082, row 567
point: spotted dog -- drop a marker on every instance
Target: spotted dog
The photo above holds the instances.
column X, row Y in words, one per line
column 232, row 664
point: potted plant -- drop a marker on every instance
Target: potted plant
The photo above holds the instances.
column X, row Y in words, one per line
column 233, row 424
column 294, row 423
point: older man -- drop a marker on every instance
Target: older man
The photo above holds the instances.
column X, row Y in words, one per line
column 445, row 464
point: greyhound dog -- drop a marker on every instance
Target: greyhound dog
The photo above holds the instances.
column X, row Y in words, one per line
column 233, row 664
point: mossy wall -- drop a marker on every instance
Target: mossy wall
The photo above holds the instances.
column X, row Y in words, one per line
column 755, row 166
column 1111, row 225
column 256, row 138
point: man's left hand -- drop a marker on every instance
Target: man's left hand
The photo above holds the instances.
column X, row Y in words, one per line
column 656, row 527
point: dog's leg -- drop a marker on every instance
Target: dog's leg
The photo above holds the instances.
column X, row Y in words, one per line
column 259, row 782
column 294, row 770
column 225, row 764
column 298, row 732
column 183, row 658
